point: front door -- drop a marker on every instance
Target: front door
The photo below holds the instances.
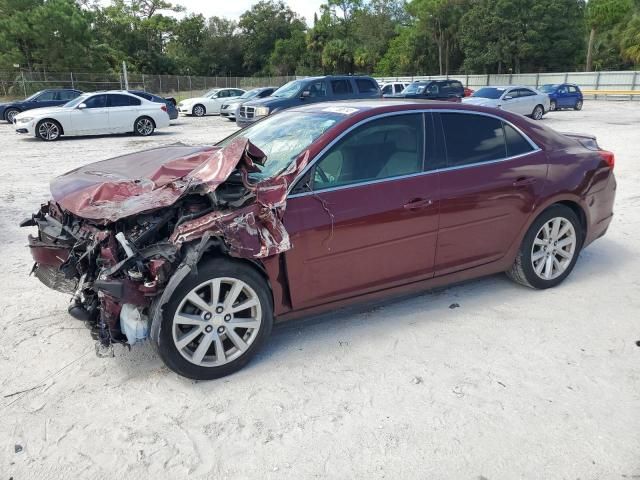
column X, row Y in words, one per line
column 368, row 217
column 94, row 118
column 493, row 178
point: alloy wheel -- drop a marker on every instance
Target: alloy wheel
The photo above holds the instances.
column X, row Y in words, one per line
column 11, row 114
column 144, row 127
column 553, row 106
column 217, row 321
column 538, row 112
column 553, row 249
column 198, row 111
column 48, row 130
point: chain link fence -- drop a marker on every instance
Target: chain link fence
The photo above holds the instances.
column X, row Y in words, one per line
column 23, row 83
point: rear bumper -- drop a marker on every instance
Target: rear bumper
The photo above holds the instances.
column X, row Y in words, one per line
column 600, row 206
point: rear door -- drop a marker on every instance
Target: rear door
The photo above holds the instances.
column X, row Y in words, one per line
column 368, row 218
column 492, row 180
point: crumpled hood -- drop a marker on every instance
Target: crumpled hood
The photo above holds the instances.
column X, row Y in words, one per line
column 117, row 188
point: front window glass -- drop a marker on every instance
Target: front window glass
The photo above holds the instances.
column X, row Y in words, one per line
column 97, row 101
column 33, row 97
column 489, row 92
column 211, row 93
column 384, row 148
column 284, row 136
column 47, row 97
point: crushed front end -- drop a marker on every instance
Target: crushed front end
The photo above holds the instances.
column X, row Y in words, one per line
column 120, row 246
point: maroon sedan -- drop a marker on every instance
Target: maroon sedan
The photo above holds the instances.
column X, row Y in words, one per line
column 202, row 248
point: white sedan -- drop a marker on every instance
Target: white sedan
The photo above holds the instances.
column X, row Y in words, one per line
column 94, row 114
column 517, row 99
column 209, row 103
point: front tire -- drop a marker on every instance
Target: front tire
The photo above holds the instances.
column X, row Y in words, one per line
column 10, row 114
column 144, row 126
column 538, row 112
column 48, row 130
column 199, row 110
column 549, row 250
column 216, row 320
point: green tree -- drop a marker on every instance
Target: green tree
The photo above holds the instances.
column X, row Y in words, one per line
column 603, row 14
column 262, row 26
column 630, row 40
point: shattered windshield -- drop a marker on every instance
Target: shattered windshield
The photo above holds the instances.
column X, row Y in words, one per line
column 284, row 136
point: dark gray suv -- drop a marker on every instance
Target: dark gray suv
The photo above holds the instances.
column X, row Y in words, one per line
column 308, row 90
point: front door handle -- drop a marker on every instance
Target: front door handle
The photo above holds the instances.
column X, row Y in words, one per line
column 524, row 181
column 417, row 203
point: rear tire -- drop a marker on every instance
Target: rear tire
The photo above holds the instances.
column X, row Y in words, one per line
column 553, row 106
column 144, row 126
column 10, row 114
column 48, row 130
column 199, row 110
column 202, row 312
column 578, row 105
column 538, row 112
column 549, row 250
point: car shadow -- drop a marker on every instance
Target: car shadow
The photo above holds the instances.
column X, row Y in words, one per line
column 340, row 327
column 93, row 137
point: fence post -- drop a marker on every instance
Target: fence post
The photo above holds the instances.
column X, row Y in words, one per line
column 190, row 87
column 488, row 80
column 72, row 85
column 598, row 85
column 160, row 83
column 566, row 77
column 24, row 85
column 178, row 79
column 144, row 87
column 633, row 83
column 537, row 79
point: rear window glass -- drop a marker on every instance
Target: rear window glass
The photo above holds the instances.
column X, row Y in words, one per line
column 516, row 143
column 472, row 138
column 122, row 101
column 341, row 87
column 366, row 86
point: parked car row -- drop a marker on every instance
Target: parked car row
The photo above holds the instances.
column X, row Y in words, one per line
column 60, row 113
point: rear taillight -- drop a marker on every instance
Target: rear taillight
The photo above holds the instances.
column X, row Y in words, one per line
column 164, row 108
column 608, row 157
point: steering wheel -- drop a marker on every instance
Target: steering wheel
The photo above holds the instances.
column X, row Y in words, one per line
column 323, row 176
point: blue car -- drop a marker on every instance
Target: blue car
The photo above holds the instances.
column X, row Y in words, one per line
column 563, row 95
column 54, row 97
column 172, row 110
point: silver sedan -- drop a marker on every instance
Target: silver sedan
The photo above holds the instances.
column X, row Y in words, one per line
column 517, row 99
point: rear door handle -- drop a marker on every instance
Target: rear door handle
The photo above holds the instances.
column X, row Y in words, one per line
column 524, row 181
column 417, row 203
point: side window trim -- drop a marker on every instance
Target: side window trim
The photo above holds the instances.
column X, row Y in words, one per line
column 296, row 184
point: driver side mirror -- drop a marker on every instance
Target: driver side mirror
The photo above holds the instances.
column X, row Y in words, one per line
column 305, row 94
column 82, row 106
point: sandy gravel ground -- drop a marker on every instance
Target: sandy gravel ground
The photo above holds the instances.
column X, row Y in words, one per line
column 512, row 384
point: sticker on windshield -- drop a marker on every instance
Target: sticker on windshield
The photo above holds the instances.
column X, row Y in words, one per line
column 343, row 110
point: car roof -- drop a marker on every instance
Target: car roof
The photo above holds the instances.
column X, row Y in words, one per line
column 350, row 107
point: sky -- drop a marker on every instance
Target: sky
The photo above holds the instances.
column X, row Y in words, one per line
column 234, row 8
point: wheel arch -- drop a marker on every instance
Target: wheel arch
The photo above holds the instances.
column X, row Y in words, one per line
column 199, row 105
